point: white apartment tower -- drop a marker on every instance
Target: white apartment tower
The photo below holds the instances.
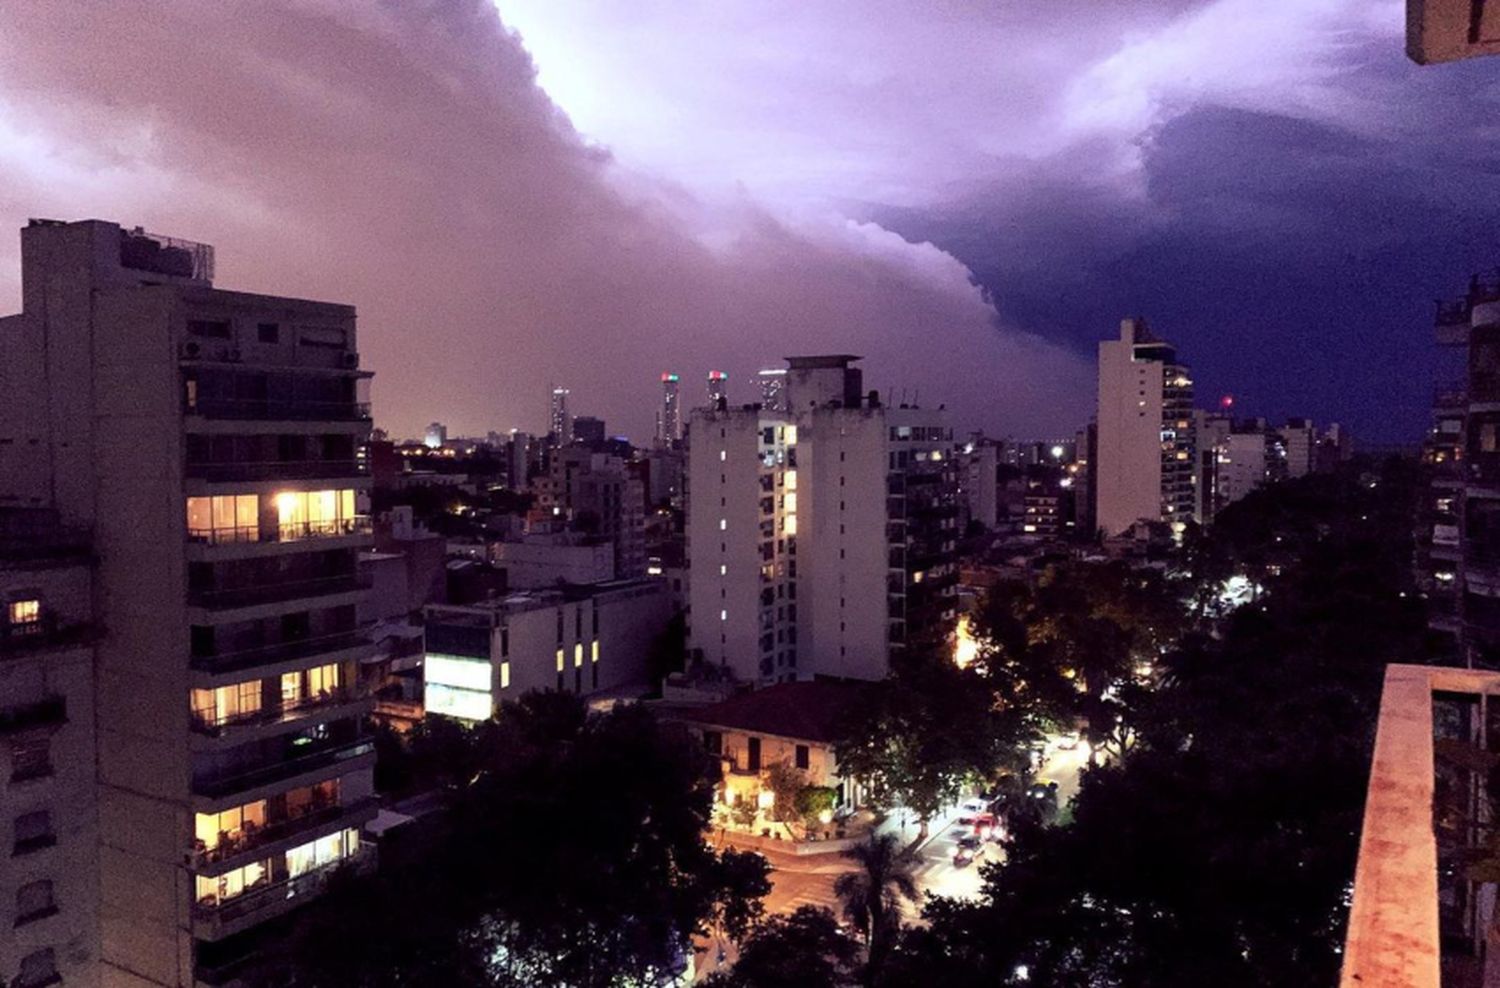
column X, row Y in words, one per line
column 1145, row 463
column 821, row 539
column 207, row 440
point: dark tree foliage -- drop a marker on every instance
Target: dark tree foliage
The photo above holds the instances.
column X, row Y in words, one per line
column 1221, row 850
column 803, row 950
column 575, row 854
column 917, row 737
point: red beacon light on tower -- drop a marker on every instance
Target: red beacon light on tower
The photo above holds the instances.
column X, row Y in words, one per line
column 1226, row 402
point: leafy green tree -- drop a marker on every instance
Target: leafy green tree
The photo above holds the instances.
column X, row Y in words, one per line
column 785, row 783
column 1221, row 850
column 575, row 854
column 917, row 738
column 803, row 950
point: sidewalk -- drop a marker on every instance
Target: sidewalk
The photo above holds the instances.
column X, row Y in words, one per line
column 903, row 825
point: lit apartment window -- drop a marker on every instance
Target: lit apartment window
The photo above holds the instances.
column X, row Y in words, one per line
column 560, row 660
column 723, row 615
column 723, row 524
column 594, row 651
column 24, row 616
column 300, row 514
column 229, row 827
column 227, row 703
column 224, row 518
column 505, row 675
column 322, row 852
column 578, row 655
column 233, row 884
column 34, row 901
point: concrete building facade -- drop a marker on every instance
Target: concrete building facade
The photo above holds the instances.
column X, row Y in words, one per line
column 208, row 440
column 819, row 541
column 1146, row 454
column 583, row 640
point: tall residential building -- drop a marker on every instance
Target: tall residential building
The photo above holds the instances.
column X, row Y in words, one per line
column 560, row 420
column 979, row 481
column 49, row 889
column 772, row 383
column 718, row 386
column 588, row 430
column 436, row 436
column 208, row 440
column 669, row 421
column 1145, row 457
column 821, row 541
column 1459, row 544
column 1300, row 440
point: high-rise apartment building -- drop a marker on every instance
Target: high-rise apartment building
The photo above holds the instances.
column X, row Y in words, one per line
column 772, row 383
column 208, row 441
column 718, row 386
column 820, row 541
column 436, row 436
column 1459, row 542
column 669, row 421
column 1145, row 457
column 560, row 419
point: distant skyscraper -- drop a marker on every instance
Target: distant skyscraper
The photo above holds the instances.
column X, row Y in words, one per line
column 773, row 389
column 437, row 435
column 560, row 423
column 718, row 381
column 1146, row 451
column 669, row 425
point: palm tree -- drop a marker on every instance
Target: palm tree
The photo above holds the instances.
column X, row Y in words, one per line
column 872, row 894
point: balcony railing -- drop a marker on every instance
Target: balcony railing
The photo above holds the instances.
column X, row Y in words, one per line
column 276, row 592
column 276, row 470
column 230, row 845
column 259, row 897
column 215, row 727
column 289, row 532
column 1452, row 313
column 49, row 632
column 280, row 409
column 215, row 786
column 245, row 658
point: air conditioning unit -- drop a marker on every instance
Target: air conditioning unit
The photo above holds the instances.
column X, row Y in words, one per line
column 189, row 350
column 351, row 359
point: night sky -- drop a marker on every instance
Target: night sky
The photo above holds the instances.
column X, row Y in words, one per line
column 970, row 194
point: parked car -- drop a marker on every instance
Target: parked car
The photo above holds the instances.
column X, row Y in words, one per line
column 984, row 826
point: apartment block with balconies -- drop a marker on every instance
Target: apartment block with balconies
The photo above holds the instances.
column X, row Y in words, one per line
column 209, row 439
column 49, row 831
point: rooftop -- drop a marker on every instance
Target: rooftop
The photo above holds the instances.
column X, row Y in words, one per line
column 808, row 711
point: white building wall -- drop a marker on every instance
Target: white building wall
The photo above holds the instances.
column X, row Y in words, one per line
column 1129, row 455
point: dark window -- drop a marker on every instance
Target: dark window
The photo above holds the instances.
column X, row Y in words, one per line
column 754, row 755
column 713, row 742
column 324, row 336
column 30, row 757
column 34, row 901
column 268, row 332
column 33, row 831
column 802, row 756
column 217, row 328
column 38, row 968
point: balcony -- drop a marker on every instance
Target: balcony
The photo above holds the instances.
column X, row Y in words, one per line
column 213, row 921
column 275, row 470
column 281, row 713
column 49, row 633
column 287, row 651
column 1454, row 394
column 232, row 845
column 276, row 534
column 279, row 410
column 226, row 783
column 274, row 593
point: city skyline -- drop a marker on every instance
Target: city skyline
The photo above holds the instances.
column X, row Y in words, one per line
column 975, row 271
